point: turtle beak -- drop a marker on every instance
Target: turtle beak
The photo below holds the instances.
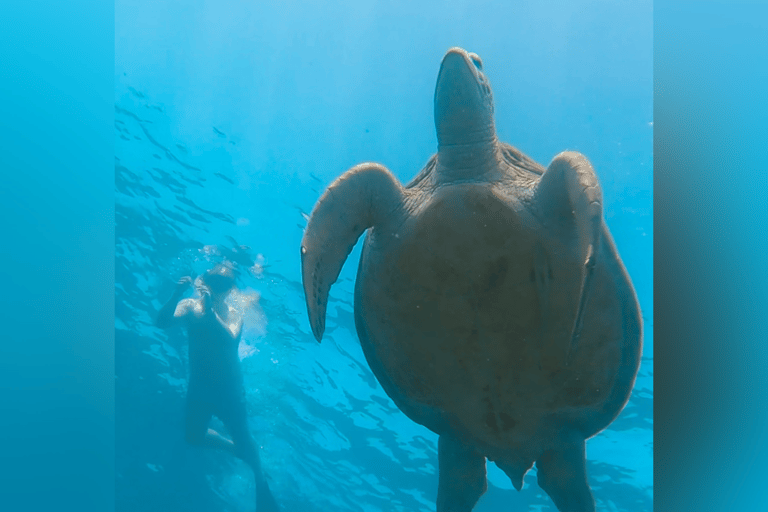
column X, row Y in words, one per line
column 463, row 103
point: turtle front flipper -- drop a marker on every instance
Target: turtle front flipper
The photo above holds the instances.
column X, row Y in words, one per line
column 363, row 197
column 462, row 476
column 569, row 189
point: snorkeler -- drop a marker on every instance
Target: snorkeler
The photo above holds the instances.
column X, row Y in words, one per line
column 216, row 385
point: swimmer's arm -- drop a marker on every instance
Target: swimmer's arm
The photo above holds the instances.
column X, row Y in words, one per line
column 175, row 309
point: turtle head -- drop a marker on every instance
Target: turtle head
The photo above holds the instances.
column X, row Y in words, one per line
column 463, row 100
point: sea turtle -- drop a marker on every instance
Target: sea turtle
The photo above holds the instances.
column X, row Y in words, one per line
column 490, row 300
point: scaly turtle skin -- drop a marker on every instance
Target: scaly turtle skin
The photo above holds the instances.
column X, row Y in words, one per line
column 490, row 300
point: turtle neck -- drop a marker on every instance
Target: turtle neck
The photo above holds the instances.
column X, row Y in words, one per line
column 465, row 162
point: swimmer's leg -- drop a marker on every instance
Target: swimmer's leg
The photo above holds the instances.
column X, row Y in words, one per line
column 199, row 413
column 235, row 418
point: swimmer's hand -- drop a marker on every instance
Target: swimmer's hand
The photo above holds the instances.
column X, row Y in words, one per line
column 181, row 287
column 205, row 295
column 174, row 308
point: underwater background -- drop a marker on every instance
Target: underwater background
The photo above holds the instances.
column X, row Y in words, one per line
column 231, row 118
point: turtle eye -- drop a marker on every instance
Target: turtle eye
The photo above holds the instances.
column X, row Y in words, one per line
column 476, row 60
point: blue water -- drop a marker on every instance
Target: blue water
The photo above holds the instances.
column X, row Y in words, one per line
column 230, row 120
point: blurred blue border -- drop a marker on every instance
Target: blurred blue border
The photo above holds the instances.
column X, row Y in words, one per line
column 710, row 216
column 57, row 211
column 711, row 183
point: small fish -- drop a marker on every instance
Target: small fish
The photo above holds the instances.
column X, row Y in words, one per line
column 219, row 132
column 236, row 245
column 223, row 177
column 136, row 93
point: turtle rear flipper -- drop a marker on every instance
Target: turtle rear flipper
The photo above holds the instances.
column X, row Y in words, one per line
column 562, row 474
column 462, row 476
column 359, row 199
